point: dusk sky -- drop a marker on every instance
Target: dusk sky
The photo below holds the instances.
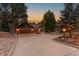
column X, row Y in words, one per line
column 36, row 11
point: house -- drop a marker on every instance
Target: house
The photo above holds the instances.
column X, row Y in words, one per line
column 37, row 27
column 25, row 28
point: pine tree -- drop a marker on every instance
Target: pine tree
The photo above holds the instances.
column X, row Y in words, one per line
column 76, row 16
column 67, row 13
column 49, row 21
column 4, row 16
column 12, row 12
column 19, row 11
column 5, row 26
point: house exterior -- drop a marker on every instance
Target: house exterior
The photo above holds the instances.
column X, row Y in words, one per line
column 24, row 28
column 27, row 28
column 37, row 27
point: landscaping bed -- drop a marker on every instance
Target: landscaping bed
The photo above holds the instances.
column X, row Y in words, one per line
column 74, row 41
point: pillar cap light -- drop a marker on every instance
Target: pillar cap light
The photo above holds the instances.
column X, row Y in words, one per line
column 63, row 29
column 17, row 29
column 32, row 29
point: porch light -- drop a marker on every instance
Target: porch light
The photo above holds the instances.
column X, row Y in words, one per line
column 64, row 29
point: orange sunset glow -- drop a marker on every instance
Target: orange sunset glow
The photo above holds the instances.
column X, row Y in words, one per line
column 36, row 11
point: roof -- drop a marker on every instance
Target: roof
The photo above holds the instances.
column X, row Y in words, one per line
column 36, row 26
column 25, row 25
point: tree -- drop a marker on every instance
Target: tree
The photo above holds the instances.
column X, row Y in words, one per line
column 67, row 14
column 5, row 26
column 4, row 16
column 12, row 13
column 49, row 21
column 18, row 14
column 19, row 11
column 76, row 16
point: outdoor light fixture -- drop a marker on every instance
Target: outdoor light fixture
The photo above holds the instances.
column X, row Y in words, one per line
column 64, row 30
column 17, row 31
column 67, row 31
column 32, row 29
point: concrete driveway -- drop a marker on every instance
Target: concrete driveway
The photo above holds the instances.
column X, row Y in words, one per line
column 42, row 45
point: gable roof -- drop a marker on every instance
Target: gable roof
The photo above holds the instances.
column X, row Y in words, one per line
column 25, row 25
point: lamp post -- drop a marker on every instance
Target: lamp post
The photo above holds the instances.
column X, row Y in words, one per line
column 67, row 30
column 64, row 31
column 18, row 31
column 32, row 30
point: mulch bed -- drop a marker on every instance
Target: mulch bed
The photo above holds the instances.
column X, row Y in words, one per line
column 74, row 41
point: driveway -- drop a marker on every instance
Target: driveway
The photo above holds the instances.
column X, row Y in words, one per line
column 42, row 45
